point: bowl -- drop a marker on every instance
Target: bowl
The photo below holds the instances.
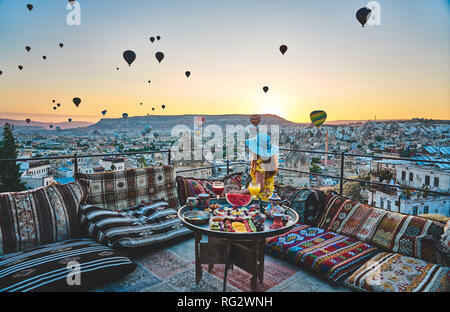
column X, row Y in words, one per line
column 197, row 217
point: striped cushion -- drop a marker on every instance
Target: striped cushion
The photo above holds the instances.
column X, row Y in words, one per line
column 45, row 215
column 143, row 225
column 47, row 268
column 122, row 189
column 391, row 272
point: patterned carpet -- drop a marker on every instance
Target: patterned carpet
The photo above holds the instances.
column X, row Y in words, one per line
column 171, row 269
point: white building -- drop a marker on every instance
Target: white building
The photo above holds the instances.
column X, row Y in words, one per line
column 410, row 201
column 37, row 175
column 113, row 163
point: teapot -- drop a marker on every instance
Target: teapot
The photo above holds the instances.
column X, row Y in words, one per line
column 274, row 205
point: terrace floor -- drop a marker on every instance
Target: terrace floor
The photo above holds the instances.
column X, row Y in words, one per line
column 171, row 269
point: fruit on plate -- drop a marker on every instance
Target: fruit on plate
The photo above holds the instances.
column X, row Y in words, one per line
column 214, row 206
column 239, row 200
column 239, row 227
column 236, row 213
column 215, row 226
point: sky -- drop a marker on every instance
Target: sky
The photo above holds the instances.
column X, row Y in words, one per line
column 396, row 70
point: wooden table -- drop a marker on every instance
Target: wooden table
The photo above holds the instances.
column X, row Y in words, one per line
column 245, row 250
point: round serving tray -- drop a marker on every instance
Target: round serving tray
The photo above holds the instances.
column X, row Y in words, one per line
column 268, row 232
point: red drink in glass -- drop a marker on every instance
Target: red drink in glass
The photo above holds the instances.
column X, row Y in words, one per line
column 218, row 188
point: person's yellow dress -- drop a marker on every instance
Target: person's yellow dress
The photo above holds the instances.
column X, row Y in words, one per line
column 269, row 184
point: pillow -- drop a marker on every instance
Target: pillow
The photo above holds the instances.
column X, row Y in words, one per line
column 188, row 187
column 47, row 268
column 142, row 225
column 444, row 243
column 286, row 192
column 122, row 189
column 309, row 204
column 44, row 215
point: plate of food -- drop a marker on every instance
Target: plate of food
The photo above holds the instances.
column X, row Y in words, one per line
column 196, row 217
column 236, row 213
column 226, row 225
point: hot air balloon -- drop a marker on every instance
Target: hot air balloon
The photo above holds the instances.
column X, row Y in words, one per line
column 70, row 119
column 61, row 44
column 147, row 129
column 28, row 48
column 53, row 101
column 188, row 73
column 156, row 134
column 283, row 49
column 76, row 101
column 1, row 72
column 58, row 105
column 129, row 57
column 30, row 7
column 58, row 128
column 143, row 133
column 20, row 67
column 318, row 117
column 265, row 89
column 152, row 39
column 163, row 106
column 159, row 56
column 124, row 115
column 255, row 119
column 44, row 57
column 158, row 37
column 153, row 108
column 362, row 15
column 28, row 120
column 54, row 107
column 140, row 103
column 117, row 68
column 104, row 112
column 51, row 126
column 149, row 81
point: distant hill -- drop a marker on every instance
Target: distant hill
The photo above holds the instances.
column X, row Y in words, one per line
column 169, row 121
column 38, row 125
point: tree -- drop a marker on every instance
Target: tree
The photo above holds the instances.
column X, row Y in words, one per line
column 315, row 169
column 315, row 160
column 9, row 171
column 142, row 162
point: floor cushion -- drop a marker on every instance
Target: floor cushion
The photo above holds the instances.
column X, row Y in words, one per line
column 47, row 268
column 406, row 234
column 392, row 272
column 143, row 225
column 188, row 187
column 332, row 255
column 126, row 188
column 44, row 215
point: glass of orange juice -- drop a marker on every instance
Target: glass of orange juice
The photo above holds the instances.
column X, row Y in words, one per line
column 254, row 189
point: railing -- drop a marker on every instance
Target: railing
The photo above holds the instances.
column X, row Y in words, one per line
column 228, row 163
column 342, row 179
